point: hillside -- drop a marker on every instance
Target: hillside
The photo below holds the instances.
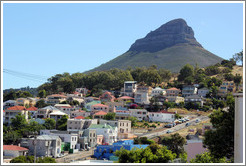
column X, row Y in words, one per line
column 171, row 46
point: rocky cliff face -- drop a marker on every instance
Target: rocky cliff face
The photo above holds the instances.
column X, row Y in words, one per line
column 173, row 32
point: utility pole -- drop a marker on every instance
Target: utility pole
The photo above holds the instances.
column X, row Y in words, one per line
column 35, row 145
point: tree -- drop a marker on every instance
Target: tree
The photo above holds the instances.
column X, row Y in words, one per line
column 11, row 137
column 30, row 159
column 40, row 104
column 50, row 124
column 42, row 93
column 185, row 72
column 133, row 120
column 143, row 140
column 62, row 123
column 237, row 79
column 206, row 157
column 220, row 141
column 175, row 143
column 238, row 57
column 110, row 116
column 151, row 154
column 19, row 122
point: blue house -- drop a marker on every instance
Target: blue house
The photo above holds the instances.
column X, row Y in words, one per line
column 107, row 151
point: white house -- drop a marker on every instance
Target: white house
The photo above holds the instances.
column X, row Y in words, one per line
column 141, row 97
column 109, row 133
column 162, row 116
column 71, row 138
column 140, row 114
column 158, row 91
column 9, row 103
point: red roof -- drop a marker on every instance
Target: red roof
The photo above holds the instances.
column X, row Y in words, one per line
column 166, row 112
column 65, row 106
column 173, row 89
column 14, row 147
column 100, row 105
column 82, row 111
column 17, row 108
column 3, row 111
column 79, row 117
column 32, row 109
column 101, row 113
column 125, row 97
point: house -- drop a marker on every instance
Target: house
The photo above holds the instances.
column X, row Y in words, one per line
column 195, row 99
column 107, row 151
column 55, row 99
column 99, row 107
column 99, row 115
column 11, row 112
column 174, row 99
column 75, row 97
column 32, row 101
column 79, row 113
column 84, row 91
column 194, row 147
column 12, row 151
column 66, row 108
column 91, row 137
column 144, row 89
column 162, row 116
column 70, row 140
column 57, row 114
column 79, row 124
column 188, row 90
column 126, row 100
column 173, row 92
column 99, row 139
column 226, row 87
column 22, row 102
column 107, row 97
column 45, row 112
column 124, row 129
column 3, row 116
column 32, row 111
column 158, row 91
column 140, row 114
column 46, row 145
column 89, row 104
column 112, row 105
column 122, row 113
column 109, row 133
column 203, row 92
column 142, row 97
column 9, row 103
column 130, row 87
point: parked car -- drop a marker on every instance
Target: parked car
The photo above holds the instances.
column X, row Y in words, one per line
column 198, row 120
column 169, row 131
column 187, row 124
column 169, row 125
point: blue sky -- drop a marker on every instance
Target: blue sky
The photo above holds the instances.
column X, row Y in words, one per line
column 48, row 39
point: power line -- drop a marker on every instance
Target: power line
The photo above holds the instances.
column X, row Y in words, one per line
column 26, row 76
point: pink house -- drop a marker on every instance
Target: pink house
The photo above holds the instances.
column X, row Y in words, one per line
column 99, row 107
column 99, row 139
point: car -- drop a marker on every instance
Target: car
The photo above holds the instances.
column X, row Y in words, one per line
column 198, row 120
column 187, row 124
column 169, row 131
column 169, row 125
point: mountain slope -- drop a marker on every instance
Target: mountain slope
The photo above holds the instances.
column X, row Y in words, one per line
column 171, row 46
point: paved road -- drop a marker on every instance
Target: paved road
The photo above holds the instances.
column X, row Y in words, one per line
column 75, row 156
column 175, row 128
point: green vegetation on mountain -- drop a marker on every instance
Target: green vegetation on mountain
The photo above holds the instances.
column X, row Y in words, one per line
column 172, row 58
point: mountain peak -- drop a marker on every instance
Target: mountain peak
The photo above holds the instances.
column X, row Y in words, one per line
column 167, row 35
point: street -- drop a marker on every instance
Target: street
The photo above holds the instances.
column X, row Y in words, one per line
column 175, row 128
column 76, row 156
